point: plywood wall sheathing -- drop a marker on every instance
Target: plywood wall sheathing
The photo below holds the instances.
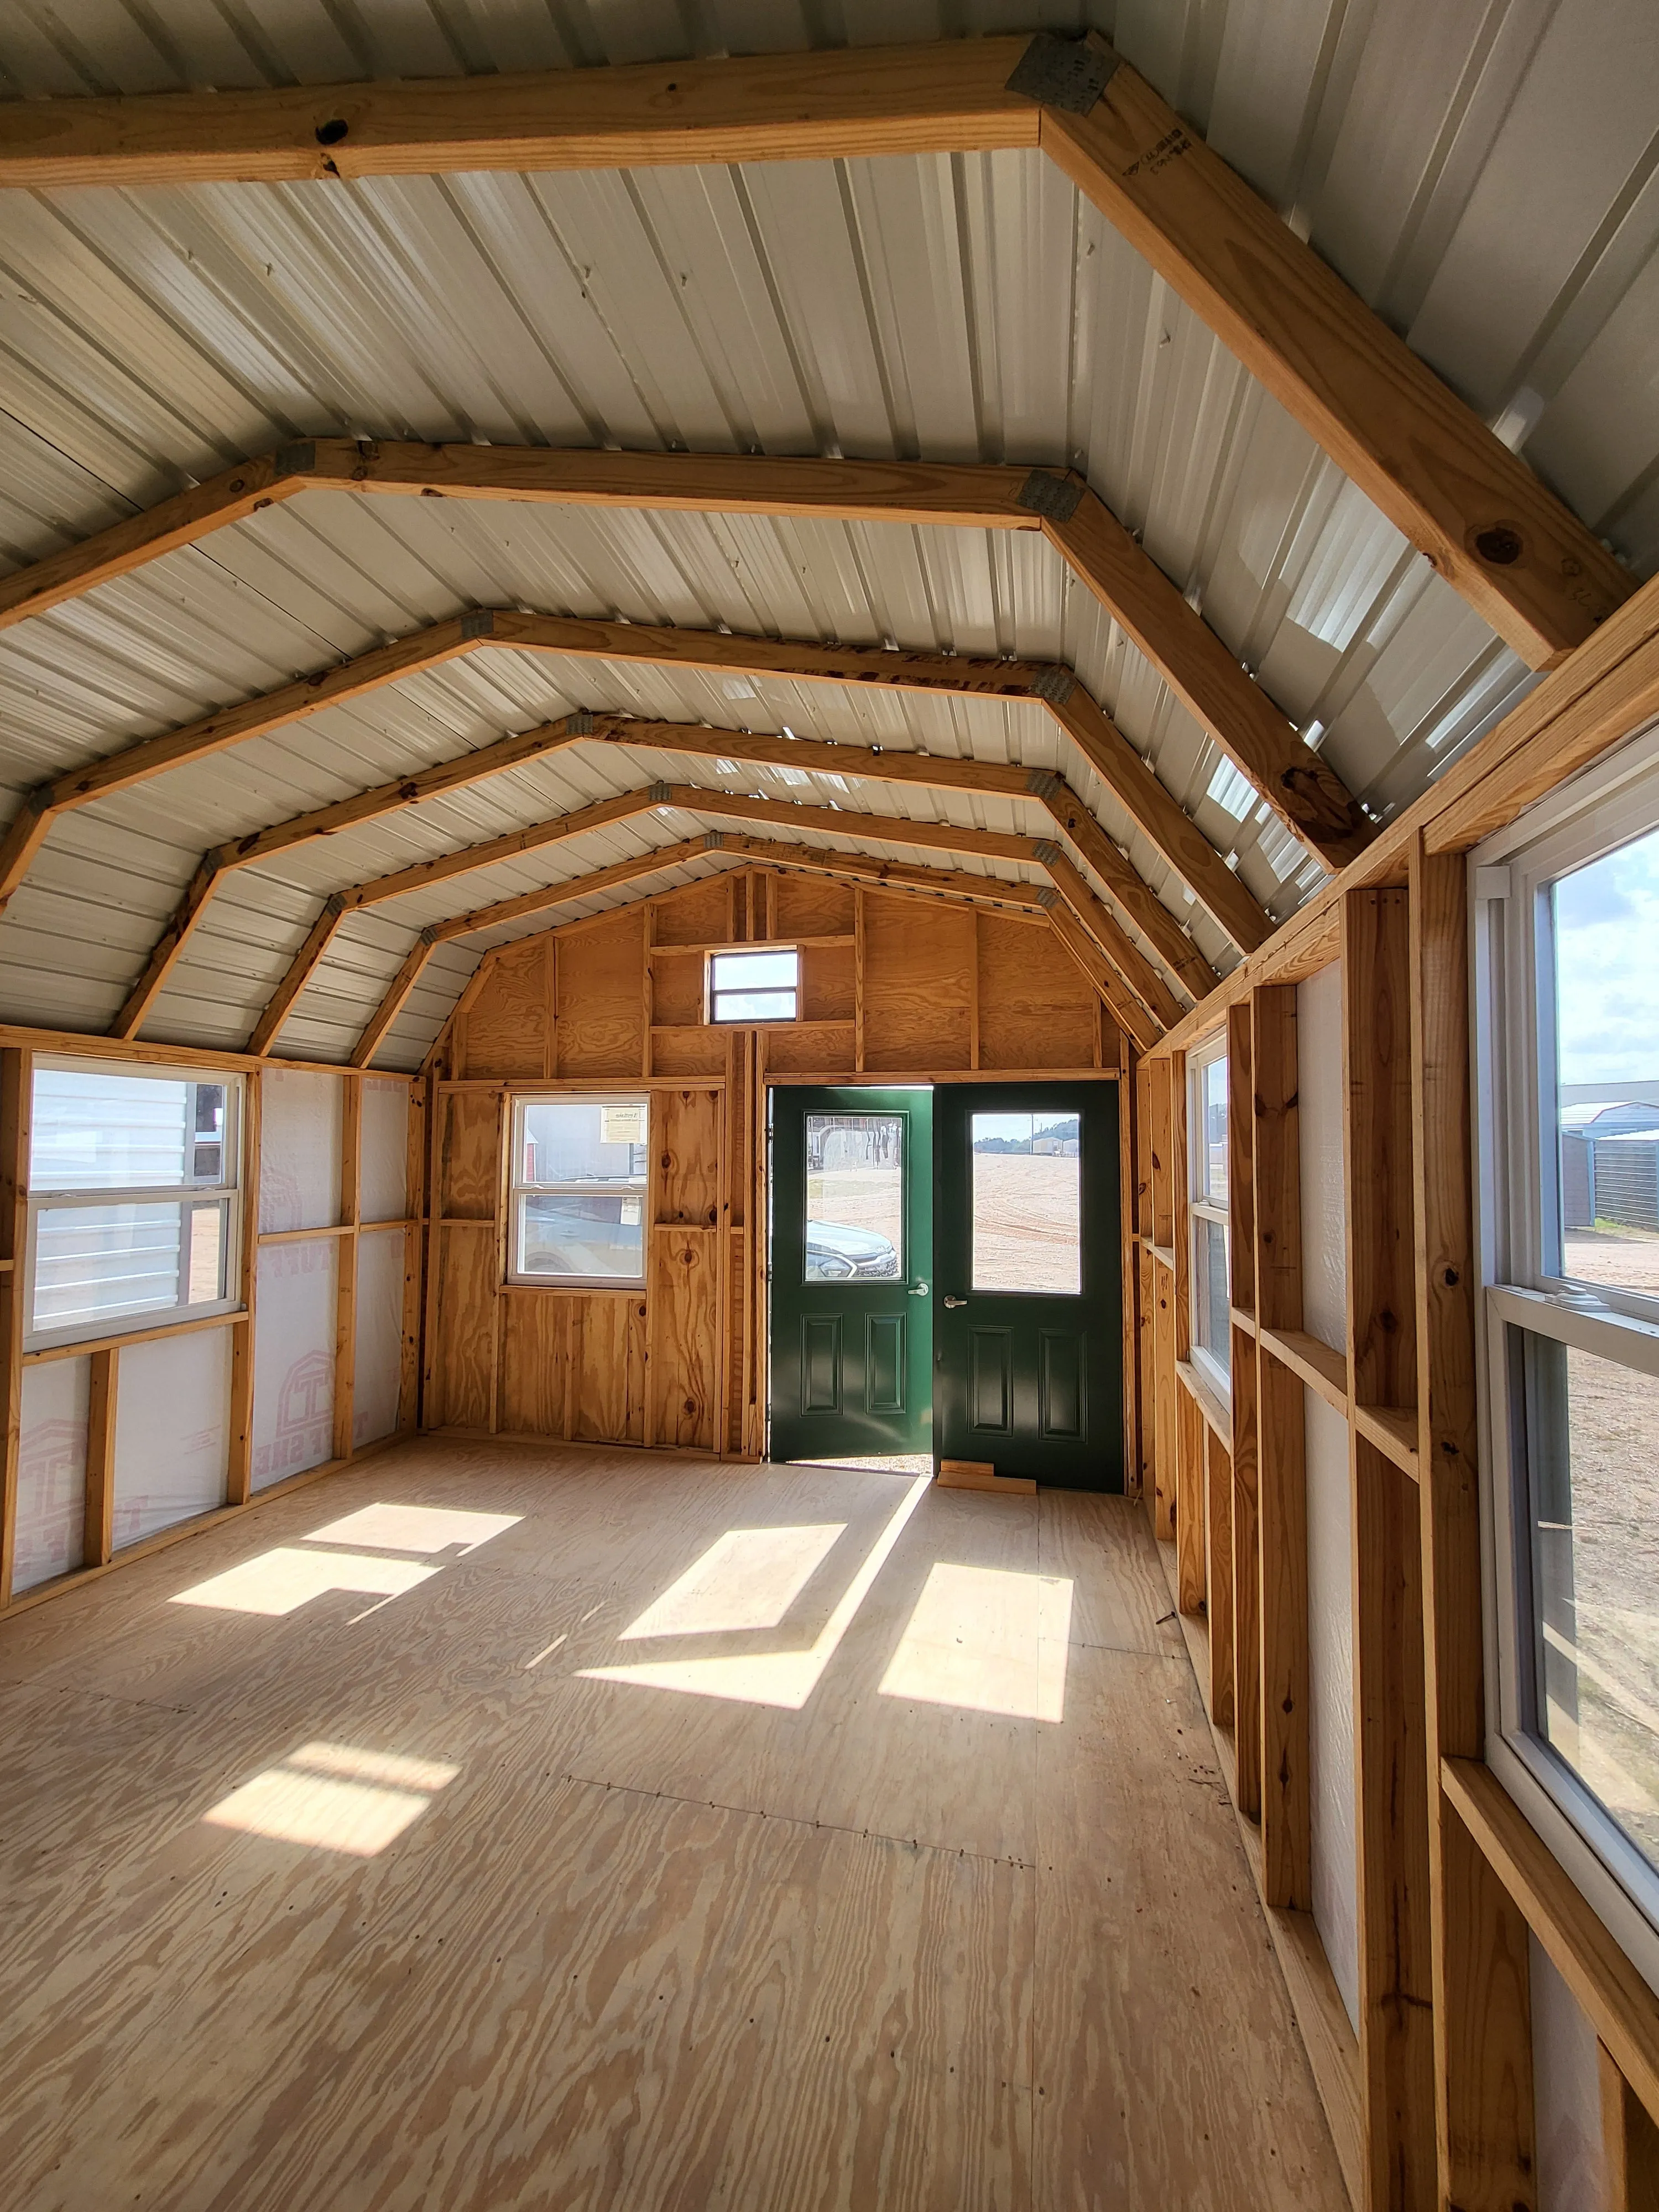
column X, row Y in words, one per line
column 683, row 1362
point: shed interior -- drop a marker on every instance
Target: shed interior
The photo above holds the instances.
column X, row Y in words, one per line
column 828, row 1229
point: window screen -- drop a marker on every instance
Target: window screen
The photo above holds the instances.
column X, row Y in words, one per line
column 1028, row 1203
column 754, row 986
column 132, row 1180
column 580, row 1175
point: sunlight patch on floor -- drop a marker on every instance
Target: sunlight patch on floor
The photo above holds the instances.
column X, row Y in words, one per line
column 875, row 1463
column 747, row 1578
column 786, row 1679
column 989, row 1638
column 389, row 1527
column 335, row 1797
column 282, row 1581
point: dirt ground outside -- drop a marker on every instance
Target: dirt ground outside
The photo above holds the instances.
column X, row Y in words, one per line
column 1027, row 1216
column 1028, row 1223
column 1621, row 1259
column 1613, row 1421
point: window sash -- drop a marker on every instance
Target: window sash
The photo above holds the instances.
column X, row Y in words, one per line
column 1513, row 990
column 1202, row 1207
column 1619, row 1881
column 719, row 1008
column 144, row 1193
column 567, row 1188
column 1516, row 972
column 1219, row 1378
column 719, row 989
column 521, row 1188
column 49, row 1198
column 1200, row 1060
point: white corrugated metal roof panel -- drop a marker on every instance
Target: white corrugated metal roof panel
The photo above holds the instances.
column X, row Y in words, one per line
column 1414, row 145
column 952, row 308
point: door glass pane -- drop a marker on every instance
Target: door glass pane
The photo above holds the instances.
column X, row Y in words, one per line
column 1607, row 990
column 1592, row 1433
column 854, row 1197
column 1028, row 1203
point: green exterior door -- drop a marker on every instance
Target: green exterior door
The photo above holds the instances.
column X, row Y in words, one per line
column 1027, row 1370
column 852, row 1272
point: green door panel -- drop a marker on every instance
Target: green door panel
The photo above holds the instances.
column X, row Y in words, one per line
column 852, row 1353
column 1027, row 1375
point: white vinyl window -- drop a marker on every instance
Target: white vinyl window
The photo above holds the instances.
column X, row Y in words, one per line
column 755, row 983
column 1565, row 907
column 133, row 1179
column 1209, row 1222
column 580, row 1178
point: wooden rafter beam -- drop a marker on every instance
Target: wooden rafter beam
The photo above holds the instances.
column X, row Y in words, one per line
column 932, row 771
column 1536, row 573
column 164, row 953
column 322, row 822
column 950, row 98
column 512, row 844
column 859, row 867
column 636, row 643
column 1306, row 793
column 1097, row 969
column 1149, row 803
column 970, row 890
column 1145, row 912
column 1143, row 909
column 1136, row 975
column 865, row 867
column 1304, row 790
column 1054, row 687
column 1101, row 926
column 1504, row 542
column 565, row 894
column 984, row 496
column 301, row 969
column 131, row 765
column 392, row 1004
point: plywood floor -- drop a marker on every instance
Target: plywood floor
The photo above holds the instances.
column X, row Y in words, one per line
column 883, row 1867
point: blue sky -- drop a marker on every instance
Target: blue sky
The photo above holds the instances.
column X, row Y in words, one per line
column 1606, row 928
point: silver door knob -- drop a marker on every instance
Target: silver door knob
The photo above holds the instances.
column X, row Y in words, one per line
column 956, row 1302
column 918, row 1290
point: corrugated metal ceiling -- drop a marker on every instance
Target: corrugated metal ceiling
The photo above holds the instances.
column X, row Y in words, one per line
column 1484, row 173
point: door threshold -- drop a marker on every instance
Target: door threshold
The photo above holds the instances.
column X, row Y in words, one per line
column 911, row 1463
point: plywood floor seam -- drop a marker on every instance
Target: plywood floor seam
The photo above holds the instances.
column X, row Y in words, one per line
column 795, row 1820
column 679, row 1836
